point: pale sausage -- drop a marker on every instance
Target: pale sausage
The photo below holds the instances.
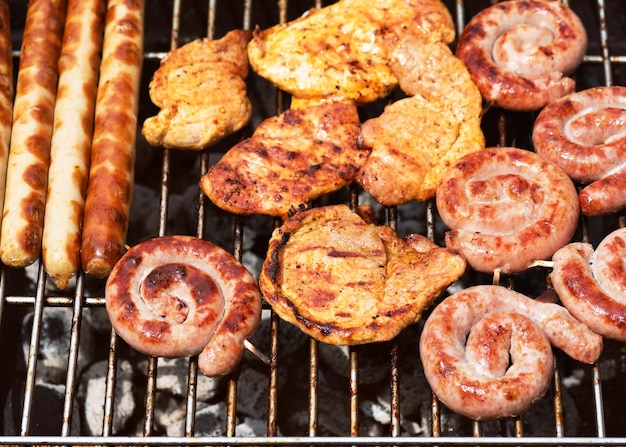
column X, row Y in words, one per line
column 70, row 151
column 29, row 155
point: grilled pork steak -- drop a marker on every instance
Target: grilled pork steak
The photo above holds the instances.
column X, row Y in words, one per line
column 345, row 281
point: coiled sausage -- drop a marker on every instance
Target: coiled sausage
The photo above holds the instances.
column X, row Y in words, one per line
column 518, row 52
column 507, row 207
column 465, row 347
column 592, row 283
column 584, row 134
column 178, row 296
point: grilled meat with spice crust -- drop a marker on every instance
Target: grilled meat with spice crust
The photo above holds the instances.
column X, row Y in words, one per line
column 339, row 53
column 345, row 281
column 289, row 160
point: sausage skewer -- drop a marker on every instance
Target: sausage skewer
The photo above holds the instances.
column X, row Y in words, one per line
column 486, row 349
column 111, row 173
column 29, row 154
column 70, row 150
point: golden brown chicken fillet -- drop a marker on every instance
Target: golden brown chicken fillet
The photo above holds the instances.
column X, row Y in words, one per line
column 338, row 53
column 345, row 281
column 289, row 160
column 423, row 134
column 201, row 91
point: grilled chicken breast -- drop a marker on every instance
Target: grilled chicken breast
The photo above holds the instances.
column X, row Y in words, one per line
column 423, row 134
column 345, row 281
column 338, row 53
column 289, row 160
column 201, row 91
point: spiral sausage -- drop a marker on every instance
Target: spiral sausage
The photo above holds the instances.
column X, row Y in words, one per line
column 473, row 377
column 177, row 296
column 506, row 207
column 592, row 284
column 584, row 134
column 518, row 52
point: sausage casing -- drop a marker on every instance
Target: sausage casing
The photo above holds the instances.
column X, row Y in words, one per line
column 6, row 92
column 507, row 207
column 79, row 66
column 592, row 283
column 111, row 172
column 29, row 155
column 469, row 370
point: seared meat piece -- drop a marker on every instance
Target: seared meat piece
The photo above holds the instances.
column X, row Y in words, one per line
column 425, row 133
column 345, row 281
column 201, row 91
column 289, row 160
column 338, row 53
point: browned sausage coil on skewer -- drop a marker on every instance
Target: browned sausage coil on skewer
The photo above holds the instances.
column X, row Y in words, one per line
column 584, row 134
column 520, row 52
column 178, row 296
column 486, row 350
column 507, row 207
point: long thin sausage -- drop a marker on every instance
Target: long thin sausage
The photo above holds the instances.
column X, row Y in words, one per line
column 111, row 173
column 6, row 92
column 79, row 66
column 29, row 154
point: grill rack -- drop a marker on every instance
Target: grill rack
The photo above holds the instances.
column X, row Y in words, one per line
column 603, row 65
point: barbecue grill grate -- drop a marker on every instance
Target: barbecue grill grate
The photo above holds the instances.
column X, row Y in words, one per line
column 170, row 24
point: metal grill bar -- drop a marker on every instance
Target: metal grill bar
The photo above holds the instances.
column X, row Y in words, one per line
column 78, row 302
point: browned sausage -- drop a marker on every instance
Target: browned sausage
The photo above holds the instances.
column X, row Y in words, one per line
column 177, row 296
column 507, row 207
column 29, row 155
column 583, row 132
column 111, row 173
column 592, row 284
column 70, row 150
column 518, row 52
column 486, row 350
column 605, row 196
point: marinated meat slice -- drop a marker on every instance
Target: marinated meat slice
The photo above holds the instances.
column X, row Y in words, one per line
column 345, row 281
column 338, row 53
column 201, row 91
column 425, row 133
column 289, row 160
